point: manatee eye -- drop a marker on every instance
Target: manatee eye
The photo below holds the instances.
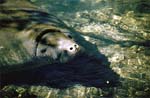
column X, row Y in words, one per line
column 70, row 36
column 43, row 50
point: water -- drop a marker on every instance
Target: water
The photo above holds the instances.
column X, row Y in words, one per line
column 120, row 31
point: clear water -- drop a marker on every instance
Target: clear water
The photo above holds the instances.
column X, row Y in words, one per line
column 119, row 30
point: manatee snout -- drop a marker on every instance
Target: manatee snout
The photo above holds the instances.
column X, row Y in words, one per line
column 58, row 46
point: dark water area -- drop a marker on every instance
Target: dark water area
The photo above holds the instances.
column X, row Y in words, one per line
column 78, row 71
column 116, row 34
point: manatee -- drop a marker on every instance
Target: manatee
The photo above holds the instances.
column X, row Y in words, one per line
column 31, row 37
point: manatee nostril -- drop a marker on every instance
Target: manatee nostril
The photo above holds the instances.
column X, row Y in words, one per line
column 76, row 46
column 71, row 48
column 43, row 50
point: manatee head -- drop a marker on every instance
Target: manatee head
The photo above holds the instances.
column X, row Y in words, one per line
column 58, row 46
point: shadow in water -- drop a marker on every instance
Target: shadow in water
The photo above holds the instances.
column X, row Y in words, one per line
column 83, row 69
column 109, row 41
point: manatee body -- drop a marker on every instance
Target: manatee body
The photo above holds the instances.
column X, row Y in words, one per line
column 30, row 37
